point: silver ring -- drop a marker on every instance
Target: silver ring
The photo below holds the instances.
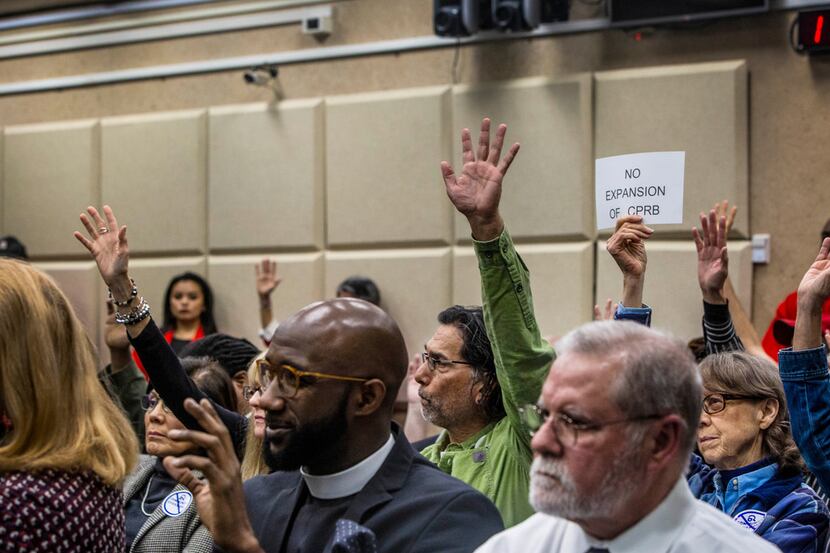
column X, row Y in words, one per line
column 103, row 230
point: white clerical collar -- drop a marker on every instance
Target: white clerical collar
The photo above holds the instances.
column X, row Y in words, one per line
column 656, row 531
column 349, row 481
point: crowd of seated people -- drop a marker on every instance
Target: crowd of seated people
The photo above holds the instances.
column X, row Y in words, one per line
column 617, row 438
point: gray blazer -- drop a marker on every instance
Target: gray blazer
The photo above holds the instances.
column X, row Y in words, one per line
column 161, row 533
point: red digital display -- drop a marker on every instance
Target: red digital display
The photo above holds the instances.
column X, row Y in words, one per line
column 813, row 34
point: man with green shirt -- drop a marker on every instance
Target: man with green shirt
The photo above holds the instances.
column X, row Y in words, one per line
column 481, row 365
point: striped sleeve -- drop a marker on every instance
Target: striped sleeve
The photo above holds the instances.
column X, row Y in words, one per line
column 718, row 330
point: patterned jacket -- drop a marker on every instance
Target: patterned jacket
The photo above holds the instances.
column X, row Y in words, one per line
column 162, row 533
column 781, row 509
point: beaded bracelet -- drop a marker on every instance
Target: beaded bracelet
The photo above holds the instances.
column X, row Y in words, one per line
column 135, row 316
column 126, row 302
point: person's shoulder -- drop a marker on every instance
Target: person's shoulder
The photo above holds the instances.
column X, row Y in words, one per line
column 722, row 534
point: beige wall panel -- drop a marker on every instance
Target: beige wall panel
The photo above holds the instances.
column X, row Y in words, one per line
column 700, row 109
column 383, row 180
column 414, row 285
column 153, row 175
column 51, row 175
column 551, row 179
column 265, row 176
column 2, row 200
column 82, row 285
column 561, row 277
column 152, row 276
column 671, row 287
column 237, row 304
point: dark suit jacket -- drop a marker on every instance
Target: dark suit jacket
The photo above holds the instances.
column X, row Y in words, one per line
column 410, row 505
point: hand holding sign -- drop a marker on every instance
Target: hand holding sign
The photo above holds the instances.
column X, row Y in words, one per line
column 649, row 185
column 627, row 247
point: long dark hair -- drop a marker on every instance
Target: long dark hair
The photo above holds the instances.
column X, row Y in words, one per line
column 476, row 349
column 206, row 318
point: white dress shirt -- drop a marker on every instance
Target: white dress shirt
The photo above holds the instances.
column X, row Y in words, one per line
column 680, row 524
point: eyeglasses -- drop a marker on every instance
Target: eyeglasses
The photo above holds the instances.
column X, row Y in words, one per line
column 290, row 380
column 567, row 429
column 149, row 402
column 715, row 403
column 438, row 364
column 250, row 391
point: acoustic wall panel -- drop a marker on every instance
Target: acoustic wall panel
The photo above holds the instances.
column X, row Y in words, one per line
column 265, row 176
column 414, row 285
column 51, row 175
column 561, row 278
column 548, row 188
column 237, row 303
column 80, row 282
column 671, row 287
column 153, row 175
column 701, row 109
column 383, row 177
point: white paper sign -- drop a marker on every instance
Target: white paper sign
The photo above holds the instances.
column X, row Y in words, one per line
column 649, row 184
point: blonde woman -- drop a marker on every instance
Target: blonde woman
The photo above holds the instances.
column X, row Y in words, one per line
column 253, row 463
column 65, row 447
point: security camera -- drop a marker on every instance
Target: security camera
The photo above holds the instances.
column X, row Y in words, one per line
column 455, row 18
column 265, row 76
column 255, row 78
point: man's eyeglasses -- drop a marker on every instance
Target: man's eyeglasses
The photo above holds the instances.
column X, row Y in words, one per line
column 715, row 403
column 289, row 380
column 149, row 402
column 439, row 364
column 250, row 391
column 567, row 429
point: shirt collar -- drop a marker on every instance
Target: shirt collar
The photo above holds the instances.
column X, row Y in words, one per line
column 443, row 440
column 656, row 531
column 350, row 481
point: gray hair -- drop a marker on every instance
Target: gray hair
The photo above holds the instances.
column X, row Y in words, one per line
column 658, row 376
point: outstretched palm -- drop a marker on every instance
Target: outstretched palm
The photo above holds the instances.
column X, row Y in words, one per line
column 107, row 243
column 816, row 281
column 712, row 259
column 476, row 192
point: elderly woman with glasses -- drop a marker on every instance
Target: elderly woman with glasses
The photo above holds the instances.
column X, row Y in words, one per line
column 749, row 466
column 161, row 515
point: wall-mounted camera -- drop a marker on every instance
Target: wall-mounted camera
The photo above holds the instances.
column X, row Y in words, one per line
column 265, row 76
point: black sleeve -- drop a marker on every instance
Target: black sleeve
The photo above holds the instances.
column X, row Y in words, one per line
column 174, row 386
column 718, row 331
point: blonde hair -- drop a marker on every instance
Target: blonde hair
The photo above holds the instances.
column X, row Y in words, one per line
column 62, row 417
column 253, row 463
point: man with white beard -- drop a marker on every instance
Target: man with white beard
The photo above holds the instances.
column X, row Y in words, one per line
column 613, row 432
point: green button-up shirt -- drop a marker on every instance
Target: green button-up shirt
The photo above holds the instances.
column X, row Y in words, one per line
column 496, row 461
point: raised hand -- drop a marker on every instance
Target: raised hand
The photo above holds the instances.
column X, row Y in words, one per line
column 815, row 285
column 115, row 335
column 604, row 315
column 219, row 497
column 476, row 192
column 812, row 293
column 627, row 245
column 108, row 245
column 266, row 277
column 712, row 258
column 722, row 210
